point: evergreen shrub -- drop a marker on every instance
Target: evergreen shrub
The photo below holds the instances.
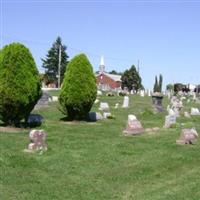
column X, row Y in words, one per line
column 20, row 86
column 79, row 90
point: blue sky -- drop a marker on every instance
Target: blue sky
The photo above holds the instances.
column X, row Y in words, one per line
column 163, row 35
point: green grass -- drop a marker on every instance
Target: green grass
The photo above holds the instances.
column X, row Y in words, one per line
column 95, row 161
column 54, row 92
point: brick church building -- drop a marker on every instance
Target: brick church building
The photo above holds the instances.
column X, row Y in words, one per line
column 106, row 81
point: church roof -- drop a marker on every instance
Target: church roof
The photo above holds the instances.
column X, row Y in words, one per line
column 102, row 71
column 112, row 76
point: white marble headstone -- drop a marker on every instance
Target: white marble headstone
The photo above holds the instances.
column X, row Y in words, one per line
column 106, row 115
column 195, row 111
column 125, row 102
column 142, row 93
column 171, row 112
column 99, row 92
column 149, row 93
column 169, row 121
column 104, row 106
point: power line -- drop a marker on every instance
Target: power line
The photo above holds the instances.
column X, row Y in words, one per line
column 100, row 1
column 97, row 55
column 59, row 62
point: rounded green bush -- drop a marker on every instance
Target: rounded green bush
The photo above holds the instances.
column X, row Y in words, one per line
column 20, row 86
column 79, row 90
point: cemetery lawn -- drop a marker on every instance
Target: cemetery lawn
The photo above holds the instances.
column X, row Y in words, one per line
column 95, row 161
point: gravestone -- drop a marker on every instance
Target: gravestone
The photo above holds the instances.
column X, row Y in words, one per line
column 99, row 116
column 133, row 127
column 96, row 101
column 169, row 121
column 194, row 97
column 195, row 111
column 37, row 139
column 54, row 98
column 149, row 93
column 104, row 106
column 44, row 100
column 99, row 92
column 125, row 102
column 157, row 102
column 142, row 93
column 177, row 104
column 94, row 116
column 173, row 99
column 171, row 112
column 188, row 136
column 106, row 115
column 176, row 111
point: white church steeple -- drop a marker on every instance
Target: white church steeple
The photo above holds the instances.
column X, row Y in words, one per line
column 102, row 61
column 102, row 65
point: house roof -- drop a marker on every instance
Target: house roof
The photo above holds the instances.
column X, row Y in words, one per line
column 112, row 76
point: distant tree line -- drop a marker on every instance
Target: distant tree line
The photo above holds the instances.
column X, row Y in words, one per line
column 177, row 87
column 115, row 72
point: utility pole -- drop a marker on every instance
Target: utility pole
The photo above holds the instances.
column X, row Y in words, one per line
column 59, row 62
column 138, row 66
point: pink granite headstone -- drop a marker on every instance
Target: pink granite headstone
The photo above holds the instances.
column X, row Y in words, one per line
column 188, row 136
column 133, row 127
column 37, row 138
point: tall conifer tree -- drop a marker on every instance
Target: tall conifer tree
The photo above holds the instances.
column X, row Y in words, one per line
column 51, row 62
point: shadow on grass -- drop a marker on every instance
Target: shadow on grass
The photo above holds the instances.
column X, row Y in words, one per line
column 34, row 120
column 90, row 118
column 10, row 129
